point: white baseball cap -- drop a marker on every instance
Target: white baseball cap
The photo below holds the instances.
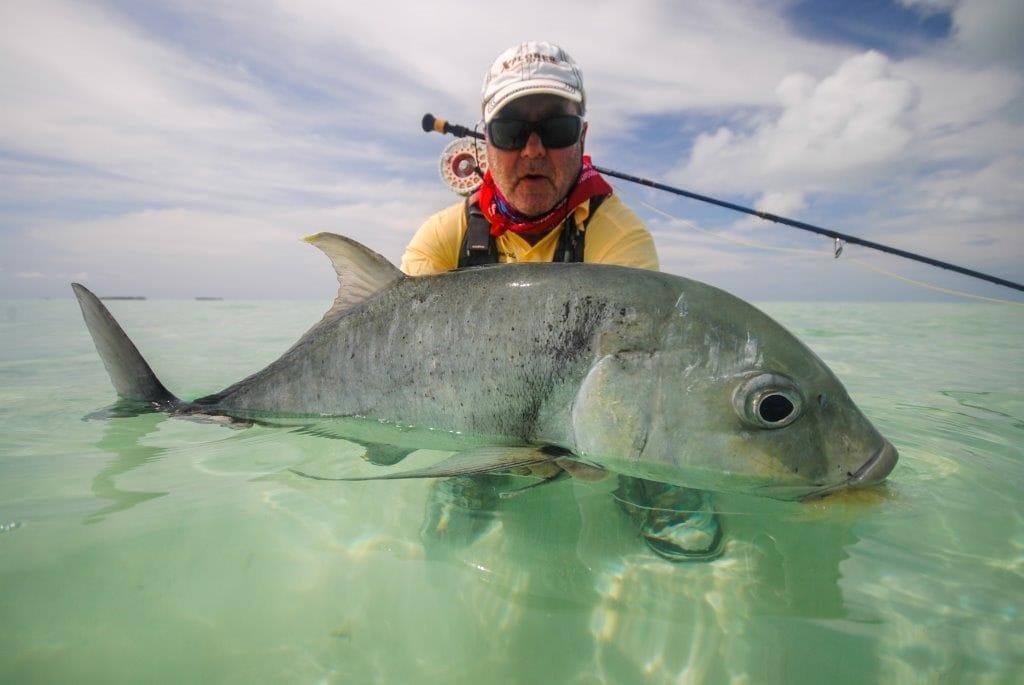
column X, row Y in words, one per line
column 532, row 68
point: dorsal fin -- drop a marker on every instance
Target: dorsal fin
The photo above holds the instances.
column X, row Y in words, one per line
column 362, row 272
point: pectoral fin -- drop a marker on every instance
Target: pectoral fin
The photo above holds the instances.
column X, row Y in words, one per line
column 470, row 462
column 378, row 453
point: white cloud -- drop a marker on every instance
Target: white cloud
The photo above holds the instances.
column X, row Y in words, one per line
column 666, row 56
column 836, row 129
column 929, row 148
column 164, row 251
column 991, row 29
column 143, row 121
column 781, row 203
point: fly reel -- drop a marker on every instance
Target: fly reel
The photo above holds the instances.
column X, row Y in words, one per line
column 460, row 160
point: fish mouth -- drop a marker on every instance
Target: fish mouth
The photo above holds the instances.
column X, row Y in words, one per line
column 871, row 472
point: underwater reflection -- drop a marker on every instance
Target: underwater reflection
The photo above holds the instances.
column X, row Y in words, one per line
column 126, row 425
column 561, row 571
column 567, row 551
column 795, row 548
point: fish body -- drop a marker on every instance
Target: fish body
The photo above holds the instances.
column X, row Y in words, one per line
column 638, row 372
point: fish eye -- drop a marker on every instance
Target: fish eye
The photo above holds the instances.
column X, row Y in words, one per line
column 768, row 400
column 775, row 407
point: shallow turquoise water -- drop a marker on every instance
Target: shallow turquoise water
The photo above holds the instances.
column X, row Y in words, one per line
column 162, row 550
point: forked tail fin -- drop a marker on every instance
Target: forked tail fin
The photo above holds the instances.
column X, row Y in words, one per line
column 129, row 372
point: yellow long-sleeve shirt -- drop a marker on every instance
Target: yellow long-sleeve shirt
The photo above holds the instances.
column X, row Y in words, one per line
column 614, row 236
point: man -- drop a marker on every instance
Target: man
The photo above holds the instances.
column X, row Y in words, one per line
column 542, row 201
column 539, row 183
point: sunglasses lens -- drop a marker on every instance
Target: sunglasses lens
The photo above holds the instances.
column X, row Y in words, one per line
column 558, row 132
column 555, row 132
column 509, row 134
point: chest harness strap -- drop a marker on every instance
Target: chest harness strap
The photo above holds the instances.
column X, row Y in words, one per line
column 480, row 249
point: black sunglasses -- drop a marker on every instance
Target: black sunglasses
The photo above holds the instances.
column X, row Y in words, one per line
column 555, row 132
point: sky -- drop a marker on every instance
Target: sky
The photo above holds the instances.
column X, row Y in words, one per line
column 183, row 149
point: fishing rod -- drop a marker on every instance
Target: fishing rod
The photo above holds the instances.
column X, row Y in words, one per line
column 434, row 124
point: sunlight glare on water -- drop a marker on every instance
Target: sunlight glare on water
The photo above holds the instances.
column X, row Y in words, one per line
column 146, row 548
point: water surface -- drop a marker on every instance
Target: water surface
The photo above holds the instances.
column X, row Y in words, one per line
column 145, row 548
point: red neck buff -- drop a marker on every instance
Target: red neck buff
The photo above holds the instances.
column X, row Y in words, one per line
column 504, row 217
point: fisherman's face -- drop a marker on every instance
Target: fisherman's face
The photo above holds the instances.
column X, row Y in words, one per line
column 535, row 179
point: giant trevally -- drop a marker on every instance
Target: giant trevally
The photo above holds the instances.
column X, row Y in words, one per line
column 642, row 373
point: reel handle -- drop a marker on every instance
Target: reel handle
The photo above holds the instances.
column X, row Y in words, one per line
column 432, row 123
